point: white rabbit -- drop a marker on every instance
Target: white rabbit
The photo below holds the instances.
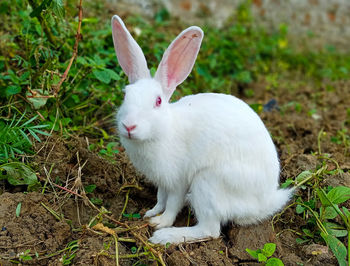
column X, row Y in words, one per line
column 211, row 150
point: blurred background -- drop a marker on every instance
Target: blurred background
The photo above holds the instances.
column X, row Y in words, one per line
column 326, row 21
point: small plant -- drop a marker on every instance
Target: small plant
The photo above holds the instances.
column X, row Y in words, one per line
column 90, row 188
column 14, row 136
column 24, row 256
column 131, row 216
column 70, row 252
column 330, row 210
column 326, row 220
column 19, row 174
column 264, row 255
column 342, row 138
column 108, row 150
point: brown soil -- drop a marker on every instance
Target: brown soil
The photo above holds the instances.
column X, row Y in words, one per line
column 64, row 162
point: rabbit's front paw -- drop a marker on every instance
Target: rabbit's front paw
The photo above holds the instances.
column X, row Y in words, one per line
column 167, row 235
column 161, row 221
column 151, row 213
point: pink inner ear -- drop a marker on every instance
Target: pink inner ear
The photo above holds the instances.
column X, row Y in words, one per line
column 129, row 53
column 122, row 46
column 181, row 57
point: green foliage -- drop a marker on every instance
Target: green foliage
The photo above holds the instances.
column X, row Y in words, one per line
column 106, row 149
column 14, row 136
column 337, row 247
column 132, row 215
column 19, row 174
column 70, row 252
column 96, row 201
column 31, row 64
column 89, row 188
column 328, row 221
column 263, row 255
column 24, row 256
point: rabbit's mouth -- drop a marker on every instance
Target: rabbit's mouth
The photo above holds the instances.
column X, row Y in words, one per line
column 130, row 135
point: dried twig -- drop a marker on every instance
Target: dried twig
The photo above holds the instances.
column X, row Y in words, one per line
column 75, row 51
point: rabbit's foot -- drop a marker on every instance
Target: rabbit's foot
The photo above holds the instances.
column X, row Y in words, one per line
column 162, row 221
column 176, row 235
column 152, row 212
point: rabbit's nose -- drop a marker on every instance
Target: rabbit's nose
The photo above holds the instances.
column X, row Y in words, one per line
column 129, row 128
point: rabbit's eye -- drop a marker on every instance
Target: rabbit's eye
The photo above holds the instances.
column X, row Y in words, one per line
column 158, row 101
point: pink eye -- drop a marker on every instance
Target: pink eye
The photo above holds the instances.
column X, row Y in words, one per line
column 158, row 101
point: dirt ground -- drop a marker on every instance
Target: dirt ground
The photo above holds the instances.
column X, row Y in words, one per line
column 64, row 162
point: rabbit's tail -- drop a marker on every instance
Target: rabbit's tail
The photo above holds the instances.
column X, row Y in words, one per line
column 266, row 207
column 279, row 199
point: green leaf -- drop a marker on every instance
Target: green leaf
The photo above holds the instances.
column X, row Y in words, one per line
column 133, row 250
column 337, row 247
column 136, row 215
column 335, row 229
column 257, row 107
column 18, row 174
column 299, row 209
column 346, row 212
column 329, row 212
column 301, row 241
column 287, row 183
column 253, row 253
column 308, row 232
column 12, row 90
column 339, row 194
column 18, row 209
column 90, row 188
column 274, row 262
column 81, row 60
column 269, row 249
column 26, row 257
column 261, row 257
column 114, row 75
column 325, row 202
column 102, row 75
column 132, row 215
column 96, row 201
column 39, row 100
column 302, row 176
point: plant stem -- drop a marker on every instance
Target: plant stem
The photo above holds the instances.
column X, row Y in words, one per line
column 125, row 204
column 130, row 256
column 116, row 250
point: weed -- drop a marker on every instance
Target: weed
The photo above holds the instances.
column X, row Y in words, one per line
column 264, row 255
column 19, row 174
column 24, row 256
column 322, row 211
column 14, row 140
column 70, row 252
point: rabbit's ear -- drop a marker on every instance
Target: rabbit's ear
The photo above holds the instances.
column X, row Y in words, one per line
column 178, row 59
column 129, row 53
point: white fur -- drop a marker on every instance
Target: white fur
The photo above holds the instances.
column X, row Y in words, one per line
column 211, row 150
